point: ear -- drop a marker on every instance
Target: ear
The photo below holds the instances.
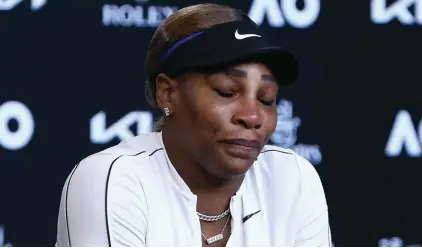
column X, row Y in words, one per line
column 166, row 91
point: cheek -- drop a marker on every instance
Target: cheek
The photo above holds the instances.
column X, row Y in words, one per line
column 221, row 116
column 271, row 122
column 216, row 114
column 209, row 112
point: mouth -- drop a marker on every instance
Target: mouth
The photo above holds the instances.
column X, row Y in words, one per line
column 244, row 142
column 242, row 148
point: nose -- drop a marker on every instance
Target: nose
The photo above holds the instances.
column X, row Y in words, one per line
column 248, row 115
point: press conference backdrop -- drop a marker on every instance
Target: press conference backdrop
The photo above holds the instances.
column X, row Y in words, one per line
column 72, row 81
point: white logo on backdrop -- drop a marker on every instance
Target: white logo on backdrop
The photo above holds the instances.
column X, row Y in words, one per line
column 278, row 13
column 404, row 136
column 11, row 4
column 285, row 134
column 100, row 133
column 3, row 242
column 399, row 9
column 394, row 242
column 20, row 136
column 138, row 14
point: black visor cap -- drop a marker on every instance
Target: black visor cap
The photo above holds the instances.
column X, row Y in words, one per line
column 229, row 44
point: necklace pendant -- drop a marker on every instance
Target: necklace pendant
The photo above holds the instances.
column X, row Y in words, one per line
column 215, row 238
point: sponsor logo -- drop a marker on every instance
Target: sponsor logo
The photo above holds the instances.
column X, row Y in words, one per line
column 139, row 14
column 100, row 133
column 11, row 4
column 3, row 242
column 16, row 125
column 285, row 134
column 394, row 242
column 278, row 13
column 244, row 36
column 407, row 12
column 404, row 137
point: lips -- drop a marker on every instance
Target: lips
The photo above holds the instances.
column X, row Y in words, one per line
column 244, row 142
column 242, row 148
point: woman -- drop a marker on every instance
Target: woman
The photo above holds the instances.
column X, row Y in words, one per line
column 206, row 176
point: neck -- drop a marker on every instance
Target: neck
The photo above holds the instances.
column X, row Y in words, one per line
column 213, row 193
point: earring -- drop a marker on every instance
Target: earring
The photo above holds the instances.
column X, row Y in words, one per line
column 166, row 111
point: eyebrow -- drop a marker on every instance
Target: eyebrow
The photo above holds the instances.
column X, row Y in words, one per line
column 268, row 77
column 236, row 72
column 240, row 73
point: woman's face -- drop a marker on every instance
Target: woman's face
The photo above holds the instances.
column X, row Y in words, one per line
column 224, row 119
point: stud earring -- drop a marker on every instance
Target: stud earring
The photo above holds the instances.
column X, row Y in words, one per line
column 166, row 111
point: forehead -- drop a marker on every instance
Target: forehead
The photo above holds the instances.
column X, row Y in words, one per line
column 251, row 71
column 257, row 67
column 247, row 71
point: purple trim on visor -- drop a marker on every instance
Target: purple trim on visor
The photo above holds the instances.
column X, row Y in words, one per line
column 167, row 54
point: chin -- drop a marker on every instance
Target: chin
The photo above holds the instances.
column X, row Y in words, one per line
column 234, row 167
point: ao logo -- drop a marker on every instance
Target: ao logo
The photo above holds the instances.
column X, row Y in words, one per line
column 121, row 129
column 11, row 4
column 404, row 136
column 19, row 138
column 278, row 14
column 285, row 134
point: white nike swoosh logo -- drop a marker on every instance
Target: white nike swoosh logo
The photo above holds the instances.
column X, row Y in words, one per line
column 244, row 36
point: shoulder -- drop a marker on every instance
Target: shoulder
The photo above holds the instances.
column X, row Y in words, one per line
column 282, row 163
column 122, row 160
column 145, row 144
column 103, row 189
column 277, row 158
column 274, row 152
column 285, row 174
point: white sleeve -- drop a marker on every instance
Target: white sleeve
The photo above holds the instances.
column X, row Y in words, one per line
column 102, row 204
column 314, row 228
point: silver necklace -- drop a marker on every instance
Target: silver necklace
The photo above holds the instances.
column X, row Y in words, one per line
column 211, row 218
column 217, row 237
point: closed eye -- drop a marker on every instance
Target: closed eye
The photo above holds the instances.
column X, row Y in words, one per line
column 224, row 93
column 267, row 102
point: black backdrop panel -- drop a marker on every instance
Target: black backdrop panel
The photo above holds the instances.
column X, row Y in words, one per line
column 72, row 84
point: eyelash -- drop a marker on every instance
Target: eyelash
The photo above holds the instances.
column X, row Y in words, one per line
column 267, row 102
column 230, row 94
column 224, row 94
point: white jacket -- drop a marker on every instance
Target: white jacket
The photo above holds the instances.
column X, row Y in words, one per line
column 131, row 195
